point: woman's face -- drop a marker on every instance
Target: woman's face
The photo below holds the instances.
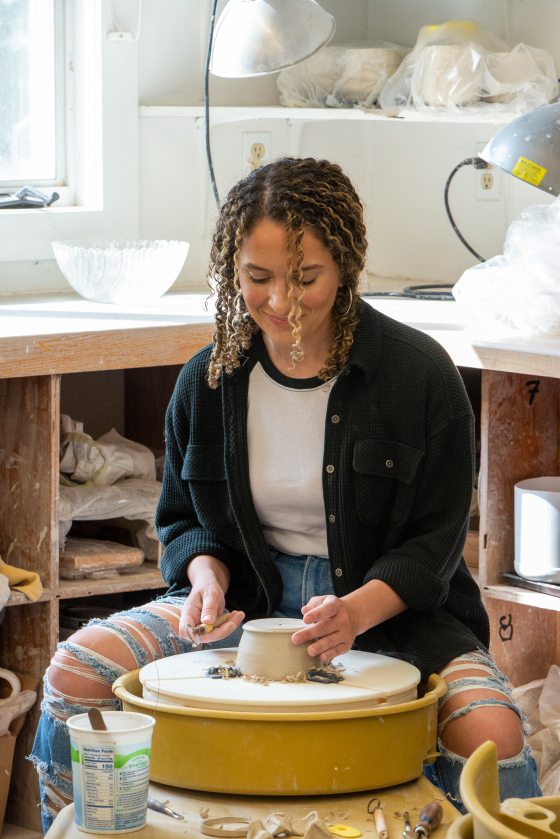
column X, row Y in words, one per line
column 263, row 270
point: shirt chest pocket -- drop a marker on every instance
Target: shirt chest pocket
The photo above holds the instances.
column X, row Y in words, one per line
column 204, row 471
column 384, row 478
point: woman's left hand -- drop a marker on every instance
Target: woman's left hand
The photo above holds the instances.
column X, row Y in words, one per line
column 332, row 627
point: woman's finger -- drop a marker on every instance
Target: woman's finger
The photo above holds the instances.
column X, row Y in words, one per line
column 224, row 626
column 312, row 603
column 326, row 609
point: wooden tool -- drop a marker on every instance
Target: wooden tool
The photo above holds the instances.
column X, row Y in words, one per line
column 202, row 628
column 96, row 719
column 430, row 816
column 375, row 809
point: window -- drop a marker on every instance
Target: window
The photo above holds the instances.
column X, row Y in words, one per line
column 31, row 93
column 68, row 123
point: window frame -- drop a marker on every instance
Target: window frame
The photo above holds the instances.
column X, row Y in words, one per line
column 101, row 144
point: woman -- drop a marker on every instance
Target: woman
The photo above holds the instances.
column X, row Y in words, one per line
column 319, row 462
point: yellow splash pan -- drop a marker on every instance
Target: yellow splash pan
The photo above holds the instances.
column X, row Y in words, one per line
column 312, row 753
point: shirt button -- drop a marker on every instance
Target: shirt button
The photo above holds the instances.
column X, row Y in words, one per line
column 389, row 464
column 330, row 469
column 335, row 418
column 332, row 518
column 338, row 572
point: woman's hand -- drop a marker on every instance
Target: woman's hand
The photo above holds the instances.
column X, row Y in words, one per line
column 332, row 627
column 334, row 622
column 206, row 602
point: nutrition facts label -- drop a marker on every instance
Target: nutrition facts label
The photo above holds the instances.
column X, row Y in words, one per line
column 111, row 787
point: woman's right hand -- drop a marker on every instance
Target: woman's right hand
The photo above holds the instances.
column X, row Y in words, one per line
column 209, row 579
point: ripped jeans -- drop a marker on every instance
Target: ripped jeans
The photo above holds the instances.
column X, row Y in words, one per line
column 518, row 774
column 85, row 666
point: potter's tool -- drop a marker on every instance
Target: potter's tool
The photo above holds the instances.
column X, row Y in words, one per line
column 161, row 807
column 219, row 827
column 346, row 831
column 96, row 719
column 203, row 628
column 430, row 816
column 375, row 809
column 407, row 830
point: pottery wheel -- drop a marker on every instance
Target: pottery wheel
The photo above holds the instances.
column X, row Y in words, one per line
column 369, row 680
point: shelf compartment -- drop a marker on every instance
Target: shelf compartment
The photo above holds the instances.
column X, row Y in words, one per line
column 524, row 631
column 520, row 438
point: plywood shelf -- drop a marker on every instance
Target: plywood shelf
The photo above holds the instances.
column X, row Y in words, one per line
column 524, row 597
column 140, row 579
column 17, row 598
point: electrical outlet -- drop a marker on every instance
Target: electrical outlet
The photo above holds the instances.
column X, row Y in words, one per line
column 488, row 182
column 256, row 150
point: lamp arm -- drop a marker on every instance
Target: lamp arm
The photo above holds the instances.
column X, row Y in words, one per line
column 478, row 163
column 207, row 104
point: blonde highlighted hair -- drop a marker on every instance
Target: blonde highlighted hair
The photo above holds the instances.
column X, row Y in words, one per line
column 302, row 194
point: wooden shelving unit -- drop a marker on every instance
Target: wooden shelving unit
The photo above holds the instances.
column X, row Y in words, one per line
column 520, row 438
column 41, row 344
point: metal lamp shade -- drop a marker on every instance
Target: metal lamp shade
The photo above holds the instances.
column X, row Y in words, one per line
column 529, row 148
column 256, row 37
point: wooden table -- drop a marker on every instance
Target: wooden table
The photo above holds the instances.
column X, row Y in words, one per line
column 350, row 809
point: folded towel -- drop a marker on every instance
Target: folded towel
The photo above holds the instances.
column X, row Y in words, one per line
column 28, row 582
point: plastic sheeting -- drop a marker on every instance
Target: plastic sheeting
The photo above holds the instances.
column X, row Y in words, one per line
column 132, row 499
column 459, row 64
column 101, row 462
column 452, row 66
column 340, row 76
column 108, row 478
column 540, row 700
column 519, row 289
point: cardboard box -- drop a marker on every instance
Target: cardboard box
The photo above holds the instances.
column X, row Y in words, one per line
column 7, row 747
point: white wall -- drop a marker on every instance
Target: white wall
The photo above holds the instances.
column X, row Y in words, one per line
column 399, row 166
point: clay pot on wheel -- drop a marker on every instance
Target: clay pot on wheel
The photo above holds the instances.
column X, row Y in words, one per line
column 266, row 649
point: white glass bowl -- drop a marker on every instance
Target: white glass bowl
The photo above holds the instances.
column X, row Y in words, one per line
column 121, row 271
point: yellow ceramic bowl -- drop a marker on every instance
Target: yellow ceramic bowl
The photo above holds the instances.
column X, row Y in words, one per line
column 317, row 753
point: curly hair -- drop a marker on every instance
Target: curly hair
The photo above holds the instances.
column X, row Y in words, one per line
column 302, row 194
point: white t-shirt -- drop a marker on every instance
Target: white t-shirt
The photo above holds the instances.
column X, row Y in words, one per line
column 286, row 434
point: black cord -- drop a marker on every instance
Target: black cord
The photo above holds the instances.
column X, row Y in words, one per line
column 478, row 163
column 207, row 104
column 422, row 292
column 416, row 292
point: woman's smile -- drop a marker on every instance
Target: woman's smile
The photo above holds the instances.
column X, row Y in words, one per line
column 270, row 297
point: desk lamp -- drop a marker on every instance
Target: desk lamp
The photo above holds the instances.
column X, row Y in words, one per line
column 528, row 147
column 257, row 37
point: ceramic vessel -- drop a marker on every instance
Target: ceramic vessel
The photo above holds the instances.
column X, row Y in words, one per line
column 266, row 649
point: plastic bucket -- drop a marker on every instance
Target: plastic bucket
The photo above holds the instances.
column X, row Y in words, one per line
column 111, row 771
column 537, row 529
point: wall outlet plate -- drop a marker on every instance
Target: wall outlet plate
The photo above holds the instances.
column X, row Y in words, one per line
column 488, row 182
column 256, row 149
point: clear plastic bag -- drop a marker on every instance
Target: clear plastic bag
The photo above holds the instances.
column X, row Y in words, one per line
column 340, row 76
column 130, row 499
column 540, row 702
column 521, row 287
column 133, row 498
column 459, row 64
column 101, row 462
